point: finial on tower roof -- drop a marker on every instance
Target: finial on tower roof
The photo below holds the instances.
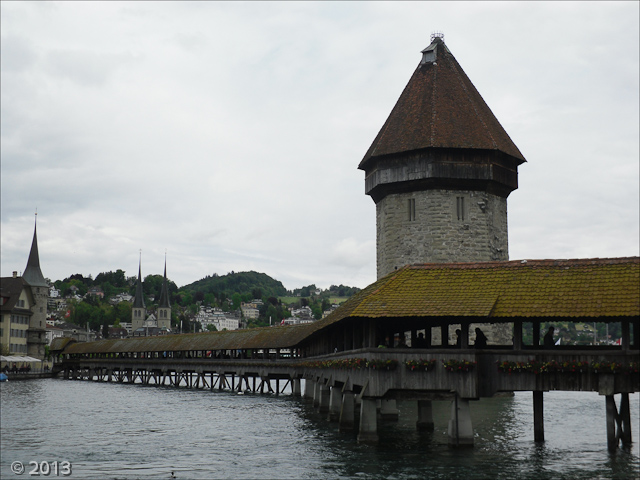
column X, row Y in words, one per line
column 439, row 35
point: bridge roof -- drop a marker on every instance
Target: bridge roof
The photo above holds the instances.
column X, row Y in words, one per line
column 267, row 337
column 602, row 289
column 583, row 288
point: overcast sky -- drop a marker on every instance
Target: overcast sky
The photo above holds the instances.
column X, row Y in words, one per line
column 229, row 134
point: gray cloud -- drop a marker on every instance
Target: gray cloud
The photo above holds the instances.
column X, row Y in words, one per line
column 229, row 134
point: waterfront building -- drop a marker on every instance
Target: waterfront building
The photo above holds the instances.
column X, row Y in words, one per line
column 24, row 308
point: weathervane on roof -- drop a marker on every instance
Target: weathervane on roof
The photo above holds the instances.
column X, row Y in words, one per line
column 435, row 35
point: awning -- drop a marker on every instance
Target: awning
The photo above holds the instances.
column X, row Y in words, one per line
column 18, row 359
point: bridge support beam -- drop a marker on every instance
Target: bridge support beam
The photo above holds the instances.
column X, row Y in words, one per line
column 389, row 410
column 347, row 412
column 425, row 416
column 316, row 394
column 335, row 404
column 295, row 387
column 618, row 422
column 308, row 389
column 368, row 432
column 325, row 393
column 460, row 427
column 538, row 416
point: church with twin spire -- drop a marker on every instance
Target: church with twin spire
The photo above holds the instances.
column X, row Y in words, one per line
column 143, row 325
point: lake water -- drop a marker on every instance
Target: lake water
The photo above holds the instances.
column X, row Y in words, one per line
column 120, row 431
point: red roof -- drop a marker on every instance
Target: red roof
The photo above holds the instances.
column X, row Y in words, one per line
column 440, row 108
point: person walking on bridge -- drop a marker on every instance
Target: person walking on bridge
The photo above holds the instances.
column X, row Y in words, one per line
column 481, row 339
column 548, row 338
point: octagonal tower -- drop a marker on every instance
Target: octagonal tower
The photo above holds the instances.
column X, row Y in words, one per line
column 440, row 171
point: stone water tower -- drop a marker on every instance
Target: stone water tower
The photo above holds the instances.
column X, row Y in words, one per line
column 440, row 171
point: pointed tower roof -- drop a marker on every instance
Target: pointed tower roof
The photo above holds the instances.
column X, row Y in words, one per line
column 164, row 292
column 440, row 108
column 32, row 273
column 138, row 300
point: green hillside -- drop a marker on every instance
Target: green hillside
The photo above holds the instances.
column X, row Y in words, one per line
column 256, row 284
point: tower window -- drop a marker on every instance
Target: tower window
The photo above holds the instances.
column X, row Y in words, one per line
column 460, row 208
column 411, row 209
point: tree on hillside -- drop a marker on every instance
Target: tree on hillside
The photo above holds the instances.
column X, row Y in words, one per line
column 117, row 279
column 236, row 298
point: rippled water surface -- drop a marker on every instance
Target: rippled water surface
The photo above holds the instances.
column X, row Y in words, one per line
column 118, row 431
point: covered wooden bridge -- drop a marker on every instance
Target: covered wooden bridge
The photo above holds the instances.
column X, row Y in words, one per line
column 396, row 340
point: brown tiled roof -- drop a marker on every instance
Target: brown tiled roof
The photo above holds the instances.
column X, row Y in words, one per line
column 440, row 108
column 267, row 337
column 602, row 289
column 584, row 288
column 60, row 343
column 10, row 290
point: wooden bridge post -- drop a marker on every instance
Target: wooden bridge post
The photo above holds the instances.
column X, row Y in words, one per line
column 316, row 394
column 625, row 416
column 425, row 416
column 325, row 392
column 460, row 429
column 538, row 416
column 464, row 340
column 536, row 334
column 368, row 432
column 335, row 404
column 618, row 423
column 517, row 335
column 347, row 410
column 308, row 389
column 625, row 334
column 389, row 410
column 295, row 387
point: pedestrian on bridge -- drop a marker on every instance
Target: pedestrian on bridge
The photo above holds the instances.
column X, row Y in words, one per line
column 481, row 339
column 548, row 338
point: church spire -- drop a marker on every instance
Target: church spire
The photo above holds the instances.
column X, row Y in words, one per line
column 163, row 302
column 32, row 273
column 138, row 301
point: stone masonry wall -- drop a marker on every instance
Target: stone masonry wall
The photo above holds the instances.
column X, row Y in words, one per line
column 437, row 234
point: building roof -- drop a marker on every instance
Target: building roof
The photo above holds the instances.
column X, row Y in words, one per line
column 440, row 108
column 32, row 273
column 60, row 343
column 10, row 290
column 585, row 288
column 266, row 337
column 600, row 289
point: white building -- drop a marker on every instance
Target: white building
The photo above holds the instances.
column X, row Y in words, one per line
column 216, row 317
column 250, row 310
